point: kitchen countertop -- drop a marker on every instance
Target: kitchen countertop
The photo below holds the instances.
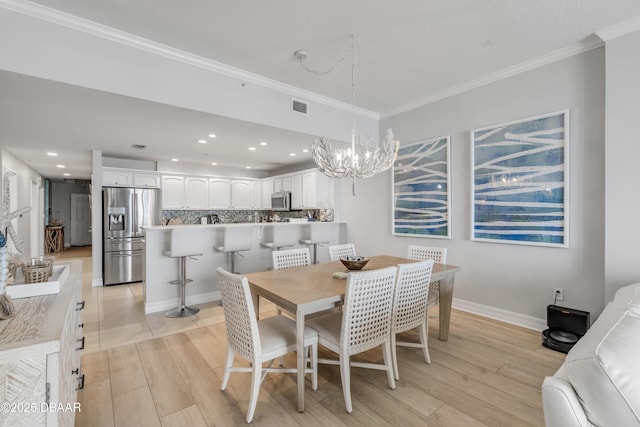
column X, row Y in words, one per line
column 168, row 227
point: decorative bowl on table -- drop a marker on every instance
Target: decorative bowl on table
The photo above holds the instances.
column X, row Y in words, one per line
column 354, row 262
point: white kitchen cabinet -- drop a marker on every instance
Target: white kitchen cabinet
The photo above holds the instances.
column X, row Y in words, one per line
column 246, row 194
column 146, row 179
column 277, row 185
column 267, row 191
column 286, row 183
column 172, row 192
column 196, row 192
column 40, row 357
column 311, row 190
column 219, row 193
column 180, row 192
column 256, row 195
column 296, row 191
column 117, row 177
column 241, row 194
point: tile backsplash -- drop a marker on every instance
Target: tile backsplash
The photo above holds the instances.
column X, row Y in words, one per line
column 232, row 216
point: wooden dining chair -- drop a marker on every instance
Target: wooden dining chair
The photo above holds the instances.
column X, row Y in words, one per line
column 423, row 253
column 258, row 341
column 410, row 307
column 364, row 323
column 337, row 251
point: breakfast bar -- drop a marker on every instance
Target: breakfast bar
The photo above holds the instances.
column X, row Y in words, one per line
column 159, row 269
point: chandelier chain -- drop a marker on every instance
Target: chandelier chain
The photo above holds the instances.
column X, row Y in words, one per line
column 351, row 50
column 362, row 158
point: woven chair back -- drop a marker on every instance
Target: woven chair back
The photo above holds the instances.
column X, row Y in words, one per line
column 366, row 316
column 290, row 258
column 239, row 315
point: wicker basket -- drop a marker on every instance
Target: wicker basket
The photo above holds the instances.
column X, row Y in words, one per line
column 36, row 270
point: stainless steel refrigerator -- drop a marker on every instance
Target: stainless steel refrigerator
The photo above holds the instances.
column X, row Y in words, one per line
column 125, row 211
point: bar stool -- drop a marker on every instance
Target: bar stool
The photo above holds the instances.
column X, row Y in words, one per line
column 282, row 236
column 185, row 242
column 236, row 238
column 318, row 235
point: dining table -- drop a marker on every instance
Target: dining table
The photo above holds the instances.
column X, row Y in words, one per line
column 314, row 288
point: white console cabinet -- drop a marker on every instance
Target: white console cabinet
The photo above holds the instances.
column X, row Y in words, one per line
column 40, row 348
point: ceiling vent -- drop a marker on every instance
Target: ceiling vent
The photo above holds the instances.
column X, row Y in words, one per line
column 138, row 146
column 299, row 107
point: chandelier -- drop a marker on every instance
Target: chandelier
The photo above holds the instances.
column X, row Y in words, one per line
column 362, row 158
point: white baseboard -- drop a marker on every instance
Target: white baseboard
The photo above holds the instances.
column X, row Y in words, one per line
column 173, row 303
column 512, row 317
column 96, row 282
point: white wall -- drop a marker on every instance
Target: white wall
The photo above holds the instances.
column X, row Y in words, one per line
column 622, row 153
column 25, row 177
column 516, row 278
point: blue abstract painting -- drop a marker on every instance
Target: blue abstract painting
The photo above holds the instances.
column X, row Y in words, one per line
column 520, row 187
column 421, row 191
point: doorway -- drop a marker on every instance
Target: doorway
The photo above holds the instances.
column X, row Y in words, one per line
column 80, row 220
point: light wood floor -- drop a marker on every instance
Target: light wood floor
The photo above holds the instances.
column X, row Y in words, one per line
column 148, row 370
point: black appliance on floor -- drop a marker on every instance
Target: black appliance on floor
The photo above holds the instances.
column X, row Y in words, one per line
column 566, row 327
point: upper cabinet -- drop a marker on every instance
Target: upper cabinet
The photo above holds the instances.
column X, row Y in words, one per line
column 146, row 179
column 179, row 192
column 311, row 189
column 172, row 192
column 246, row 194
column 196, row 192
column 256, row 196
column 219, row 193
column 118, row 177
column 267, row 191
column 241, row 194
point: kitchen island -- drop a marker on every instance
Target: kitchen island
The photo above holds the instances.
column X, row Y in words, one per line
column 159, row 269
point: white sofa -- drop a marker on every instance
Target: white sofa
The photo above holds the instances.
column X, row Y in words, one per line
column 599, row 382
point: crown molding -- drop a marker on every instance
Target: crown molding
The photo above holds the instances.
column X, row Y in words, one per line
column 523, row 67
column 618, row 30
column 86, row 26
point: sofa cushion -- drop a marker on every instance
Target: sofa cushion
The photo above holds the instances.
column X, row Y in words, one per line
column 603, row 369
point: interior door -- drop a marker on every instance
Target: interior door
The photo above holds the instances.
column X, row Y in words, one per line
column 80, row 220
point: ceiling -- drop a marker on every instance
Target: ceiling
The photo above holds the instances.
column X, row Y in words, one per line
column 410, row 52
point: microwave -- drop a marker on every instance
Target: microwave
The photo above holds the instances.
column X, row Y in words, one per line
column 281, row 201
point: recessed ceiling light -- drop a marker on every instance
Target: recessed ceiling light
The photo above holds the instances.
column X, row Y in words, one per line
column 305, row 151
column 52, row 154
column 247, row 167
column 60, row 166
column 263, row 143
column 214, row 164
column 174, row 160
column 202, row 141
column 212, row 135
column 292, row 154
column 66, row 174
column 252, row 148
